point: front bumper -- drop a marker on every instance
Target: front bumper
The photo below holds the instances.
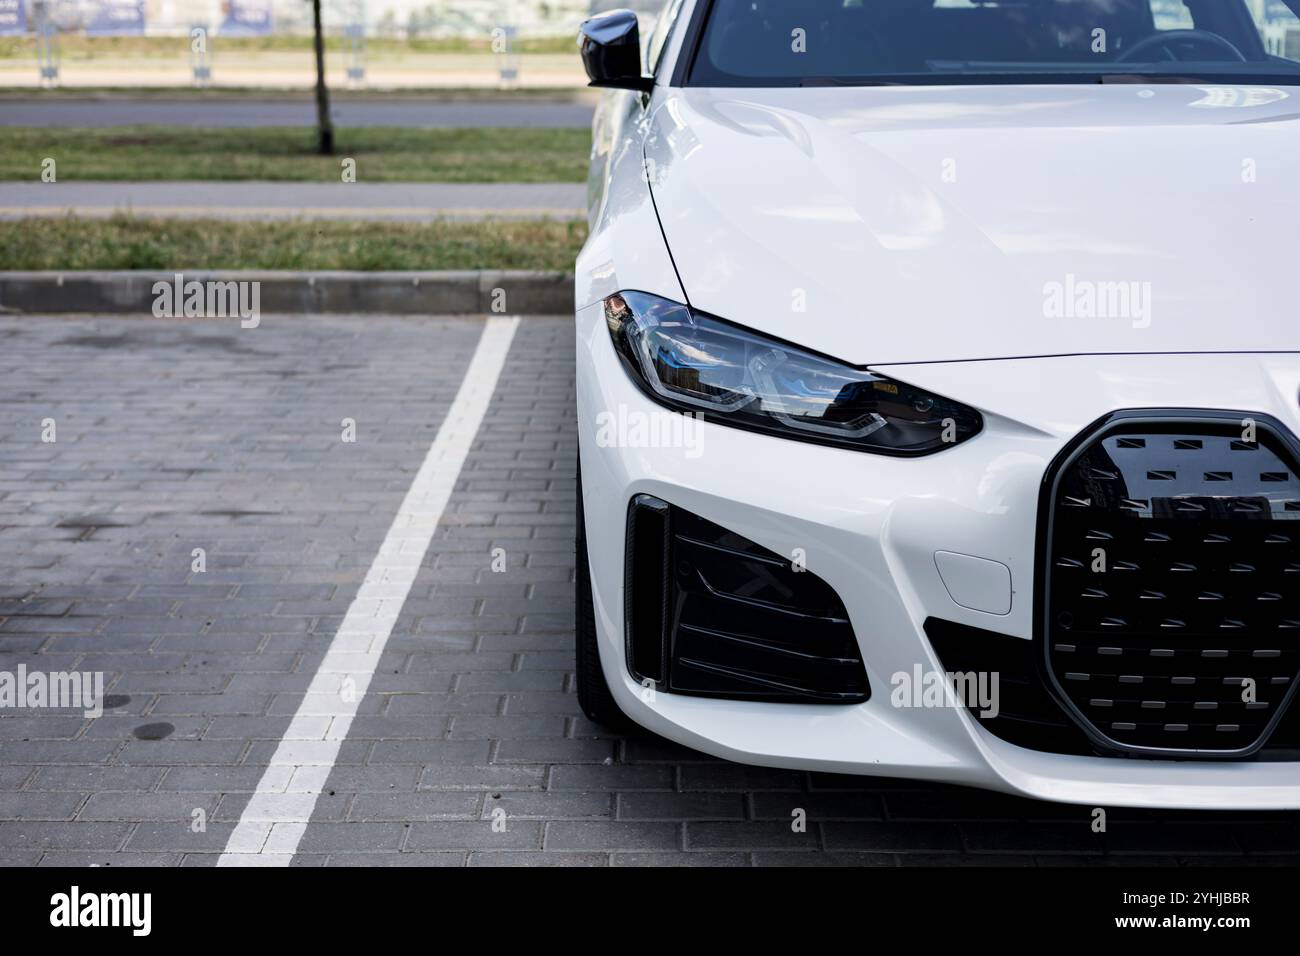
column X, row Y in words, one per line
column 871, row 527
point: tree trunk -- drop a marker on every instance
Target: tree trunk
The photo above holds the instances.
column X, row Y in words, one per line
column 325, row 129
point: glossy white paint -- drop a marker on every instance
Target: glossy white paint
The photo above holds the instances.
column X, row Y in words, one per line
column 625, row 249
column 976, row 584
column 840, row 193
column 925, row 224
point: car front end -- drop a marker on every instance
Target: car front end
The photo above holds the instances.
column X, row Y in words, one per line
column 949, row 433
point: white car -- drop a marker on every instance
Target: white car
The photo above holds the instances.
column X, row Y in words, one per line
column 938, row 391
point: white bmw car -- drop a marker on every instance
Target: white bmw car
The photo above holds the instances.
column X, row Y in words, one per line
column 939, row 391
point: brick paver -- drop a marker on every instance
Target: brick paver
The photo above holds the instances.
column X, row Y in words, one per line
column 469, row 748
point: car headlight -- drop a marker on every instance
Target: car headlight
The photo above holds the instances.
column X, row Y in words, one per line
column 695, row 363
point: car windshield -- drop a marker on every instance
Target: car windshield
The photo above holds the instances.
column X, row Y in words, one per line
column 870, row 42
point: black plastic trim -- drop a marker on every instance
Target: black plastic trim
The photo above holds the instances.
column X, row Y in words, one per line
column 710, row 613
column 640, row 635
column 691, row 40
column 1029, row 715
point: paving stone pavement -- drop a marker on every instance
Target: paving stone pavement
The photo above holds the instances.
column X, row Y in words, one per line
column 175, row 435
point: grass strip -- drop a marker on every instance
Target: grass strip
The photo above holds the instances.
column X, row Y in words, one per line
column 126, row 242
column 287, row 154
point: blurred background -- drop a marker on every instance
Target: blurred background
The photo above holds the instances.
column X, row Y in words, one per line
column 207, row 134
column 266, row 44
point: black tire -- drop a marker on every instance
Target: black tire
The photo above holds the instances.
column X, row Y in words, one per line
column 594, row 696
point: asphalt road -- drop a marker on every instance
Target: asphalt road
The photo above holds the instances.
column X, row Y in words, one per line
column 416, row 202
column 465, row 746
column 243, row 111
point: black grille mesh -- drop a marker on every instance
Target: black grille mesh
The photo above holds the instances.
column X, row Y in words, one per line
column 728, row 618
column 1172, row 616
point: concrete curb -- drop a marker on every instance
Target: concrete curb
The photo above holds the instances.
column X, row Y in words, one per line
column 392, row 293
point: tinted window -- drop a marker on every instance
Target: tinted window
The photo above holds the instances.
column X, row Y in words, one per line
column 789, row 42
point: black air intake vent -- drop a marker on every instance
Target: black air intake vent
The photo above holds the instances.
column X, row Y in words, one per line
column 1028, row 716
column 728, row 618
column 648, row 589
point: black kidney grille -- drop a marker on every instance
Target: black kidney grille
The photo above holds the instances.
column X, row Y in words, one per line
column 1172, row 613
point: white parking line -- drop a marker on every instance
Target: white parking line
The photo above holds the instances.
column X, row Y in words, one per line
column 276, row 817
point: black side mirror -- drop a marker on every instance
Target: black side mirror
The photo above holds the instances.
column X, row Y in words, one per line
column 611, row 52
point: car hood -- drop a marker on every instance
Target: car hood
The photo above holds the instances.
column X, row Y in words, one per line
column 898, row 225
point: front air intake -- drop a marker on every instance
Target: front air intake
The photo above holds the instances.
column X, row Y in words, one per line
column 710, row 613
column 1027, row 715
column 646, row 589
column 1169, row 606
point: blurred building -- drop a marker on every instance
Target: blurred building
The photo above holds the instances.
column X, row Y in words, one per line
column 426, row 18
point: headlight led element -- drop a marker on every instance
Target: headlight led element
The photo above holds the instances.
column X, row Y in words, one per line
column 693, row 362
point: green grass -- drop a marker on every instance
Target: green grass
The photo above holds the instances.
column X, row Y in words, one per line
column 382, row 154
column 124, row 242
column 79, row 47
